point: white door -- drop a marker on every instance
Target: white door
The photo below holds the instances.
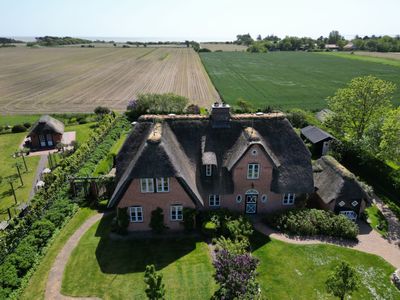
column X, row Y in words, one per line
column 42, row 140
column 49, row 140
column 325, row 147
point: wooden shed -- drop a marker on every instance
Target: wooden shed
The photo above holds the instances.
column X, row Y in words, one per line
column 46, row 133
column 319, row 139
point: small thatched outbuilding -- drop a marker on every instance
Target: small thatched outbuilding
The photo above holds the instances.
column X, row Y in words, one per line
column 46, row 133
column 337, row 189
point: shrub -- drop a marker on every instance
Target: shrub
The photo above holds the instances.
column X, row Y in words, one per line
column 9, row 276
column 209, row 228
column 18, row 128
column 42, row 230
column 122, row 220
column 189, row 218
column 155, row 289
column 239, row 229
column 204, row 50
column 235, row 247
column 27, row 125
column 297, row 117
column 313, row 222
column 193, row 109
column 157, row 220
column 24, row 255
column 101, row 110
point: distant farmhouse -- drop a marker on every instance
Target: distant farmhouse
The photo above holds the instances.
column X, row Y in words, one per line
column 250, row 163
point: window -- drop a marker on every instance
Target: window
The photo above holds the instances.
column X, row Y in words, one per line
column 341, row 203
column 264, row 198
column 176, row 213
column 162, row 184
column 354, row 203
column 254, row 152
column 213, row 200
column 288, row 199
column 208, row 170
column 136, row 214
column 239, row 198
column 253, row 171
column 147, row 185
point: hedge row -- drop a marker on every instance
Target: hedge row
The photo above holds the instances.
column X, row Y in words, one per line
column 313, row 222
column 49, row 210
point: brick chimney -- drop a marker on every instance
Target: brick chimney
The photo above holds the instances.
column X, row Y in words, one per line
column 220, row 115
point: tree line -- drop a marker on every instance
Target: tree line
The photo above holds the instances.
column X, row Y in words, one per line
column 292, row 43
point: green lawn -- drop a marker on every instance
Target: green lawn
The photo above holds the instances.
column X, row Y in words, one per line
column 9, row 143
column 288, row 79
column 377, row 219
column 17, row 119
column 82, row 131
column 37, row 284
column 113, row 269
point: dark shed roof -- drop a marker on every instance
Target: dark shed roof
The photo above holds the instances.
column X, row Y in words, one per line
column 46, row 124
column 315, row 134
column 187, row 142
column 334, row 182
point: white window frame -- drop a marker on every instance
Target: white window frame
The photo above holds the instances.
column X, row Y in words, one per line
column 288, row 199
column 251, row 171
column 208, row 170
column 147, row 185
column 136, row 214
column 214, row 200
column 176, row 212
column 164, row 182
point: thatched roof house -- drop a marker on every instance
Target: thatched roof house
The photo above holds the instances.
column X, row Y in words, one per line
column 210, row 156
column 46, row 132
column 337, row 189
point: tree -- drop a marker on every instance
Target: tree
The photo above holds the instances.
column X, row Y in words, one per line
column 155, row 288
column 334, row 37
column 390, row 143
column 342, row 281
column 357, row 106
column 101, row 110
column 236, row 276
column 244, row 39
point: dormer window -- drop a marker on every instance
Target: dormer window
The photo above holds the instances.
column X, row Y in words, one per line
column 253, row 171
column 147, row 185
column 162, row 184
column 208, row 170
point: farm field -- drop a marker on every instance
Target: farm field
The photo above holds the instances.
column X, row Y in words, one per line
column 392, row 59
column 222, row 46
column 287, row 80
column 51, row 80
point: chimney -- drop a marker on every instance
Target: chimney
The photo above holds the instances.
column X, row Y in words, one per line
column 220, row 115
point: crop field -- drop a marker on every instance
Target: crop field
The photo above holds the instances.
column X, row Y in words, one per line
column 287, row 80
column 223, row 47
column 50, row 80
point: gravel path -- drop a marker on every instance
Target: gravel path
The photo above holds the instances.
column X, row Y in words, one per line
column 53, row 286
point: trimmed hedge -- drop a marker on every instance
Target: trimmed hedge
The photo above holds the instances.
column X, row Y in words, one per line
column 313, row 222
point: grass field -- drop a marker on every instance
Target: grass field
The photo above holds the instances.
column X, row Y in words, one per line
column 391, row 59
column 288, row 79
column 65, row 79
column 113, row 269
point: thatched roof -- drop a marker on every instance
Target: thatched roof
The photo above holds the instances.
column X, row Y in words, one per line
column 189, row 142
column 47, row 124
column 315, row 134
column 334, row 182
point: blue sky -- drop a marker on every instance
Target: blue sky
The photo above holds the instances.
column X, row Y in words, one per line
column 200, row 19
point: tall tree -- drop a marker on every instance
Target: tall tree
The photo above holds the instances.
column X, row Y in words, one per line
column 155, row 289
column 343, row 281
column 334, row 37
column 390, row 138
column 360, row 104
column 244, row 39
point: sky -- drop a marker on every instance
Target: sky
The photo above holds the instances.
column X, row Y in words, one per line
column 198, row 19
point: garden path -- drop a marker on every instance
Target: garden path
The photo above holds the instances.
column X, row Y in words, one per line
column 41, row 166
column 393, row 222
column 369, row 241
column 53, row 286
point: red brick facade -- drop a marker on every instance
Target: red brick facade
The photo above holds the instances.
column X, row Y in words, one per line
column 35, row 141
column 266, row 201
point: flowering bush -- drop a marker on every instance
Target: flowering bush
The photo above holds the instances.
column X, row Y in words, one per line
column 236, row 276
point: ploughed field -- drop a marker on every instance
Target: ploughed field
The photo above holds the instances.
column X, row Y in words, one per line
column 287, row 80
column 50, row 80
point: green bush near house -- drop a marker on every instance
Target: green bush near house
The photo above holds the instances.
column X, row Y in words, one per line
column 377, row 219
column 313, row 222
